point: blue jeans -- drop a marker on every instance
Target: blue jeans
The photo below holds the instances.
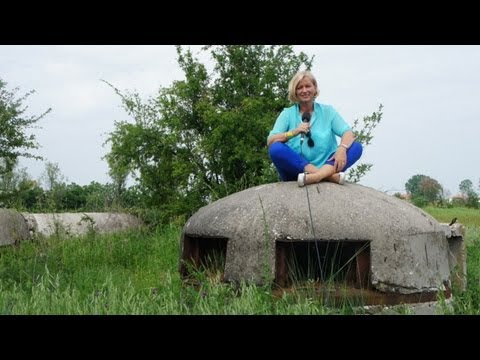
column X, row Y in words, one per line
column 289, row 164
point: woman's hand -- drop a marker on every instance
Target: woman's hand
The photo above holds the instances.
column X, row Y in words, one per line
column 340, row 159
column 304, row 128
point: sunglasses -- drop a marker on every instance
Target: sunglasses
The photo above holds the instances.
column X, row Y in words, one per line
column 310, row 141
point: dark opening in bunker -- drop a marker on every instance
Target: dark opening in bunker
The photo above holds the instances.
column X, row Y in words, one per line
column 339, row 271
column 204, row 254
column 337, row 262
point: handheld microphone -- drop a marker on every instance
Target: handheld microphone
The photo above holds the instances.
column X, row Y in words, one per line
column 306, row 119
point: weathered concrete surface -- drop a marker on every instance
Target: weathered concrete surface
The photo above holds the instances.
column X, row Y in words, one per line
column 13, row 227
column 76, row 224
column 408, row 247
column 457, row 254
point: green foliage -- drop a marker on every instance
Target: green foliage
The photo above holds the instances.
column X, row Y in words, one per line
column 14, row 125
column 204, row 137
column 136, row 273
column 419, row 201
column 457, row 201
column 125, row 273
column 471, row 197
column 364, row 134
column 431, row 190
column 52, row 176
column 18, row 191
column 55, row 187
column 473, row 200
column 467, row 217
column 466, row 186
column 467, row 302
column 412, row 186
column 424, row 189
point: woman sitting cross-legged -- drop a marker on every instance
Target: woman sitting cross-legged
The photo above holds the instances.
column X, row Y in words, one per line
column 303, row 142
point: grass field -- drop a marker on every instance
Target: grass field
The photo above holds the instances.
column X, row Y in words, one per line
column 137, row 273
column 467, row 217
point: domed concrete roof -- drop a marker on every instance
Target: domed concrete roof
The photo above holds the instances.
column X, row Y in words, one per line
column 13, row 227
column 408, row 248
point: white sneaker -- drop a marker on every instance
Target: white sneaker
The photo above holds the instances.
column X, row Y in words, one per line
column 301, row 179
column 342, row 177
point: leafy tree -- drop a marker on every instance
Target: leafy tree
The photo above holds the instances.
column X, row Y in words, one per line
column 18, row 190
column 412, row 186
column 55, row 186
column 74, row 197
column 30, row 195
column 466, row 187
column 52, row 176
column 473, row 200
column 423, row 190
column 100, row 197
column 14, row 124
column 205, row 137
column 431, row 189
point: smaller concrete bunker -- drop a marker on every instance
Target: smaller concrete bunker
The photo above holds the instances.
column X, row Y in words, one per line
column 360, row 242
column 16, row 227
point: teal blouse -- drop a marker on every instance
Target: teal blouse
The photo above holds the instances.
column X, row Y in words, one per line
column 325, row 124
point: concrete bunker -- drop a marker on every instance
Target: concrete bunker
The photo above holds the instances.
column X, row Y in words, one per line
column 362, row 243
column 78, row 224
column 16, row 226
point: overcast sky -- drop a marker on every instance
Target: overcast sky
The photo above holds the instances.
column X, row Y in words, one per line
column 431, row 97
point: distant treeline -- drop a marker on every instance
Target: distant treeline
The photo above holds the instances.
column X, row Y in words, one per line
column 27, row 195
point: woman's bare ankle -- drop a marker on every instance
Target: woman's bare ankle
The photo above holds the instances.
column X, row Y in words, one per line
column 313, row 178
column 335, row 178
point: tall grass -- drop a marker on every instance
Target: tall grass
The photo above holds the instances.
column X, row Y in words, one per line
column 124, row 273
column 137, row 273
column 467, row 302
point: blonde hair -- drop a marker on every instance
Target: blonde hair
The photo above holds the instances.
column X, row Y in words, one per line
column 292, row 85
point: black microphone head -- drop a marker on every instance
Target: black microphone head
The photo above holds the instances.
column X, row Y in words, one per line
column 306, row 117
